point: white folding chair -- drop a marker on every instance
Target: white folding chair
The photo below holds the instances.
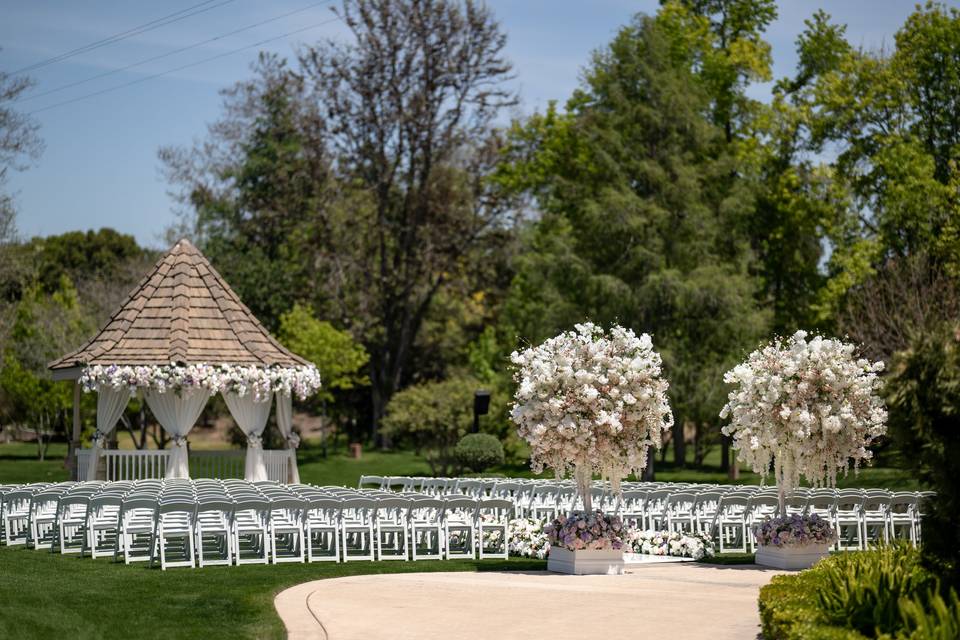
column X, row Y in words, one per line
column 356, row 529
column 323, row 529
column 214, row 540
column 391, row 528
column 72, row 523
column 732, row 522
column 137, row 522
column 680, row 508
column 874, row 519
column 459, row 528
column 493, row 527
column 250, row 528
column 426, row 529
column 16, row 516
column 287, row 528
column 901, row 515
column 174, row 532
column 847, row 519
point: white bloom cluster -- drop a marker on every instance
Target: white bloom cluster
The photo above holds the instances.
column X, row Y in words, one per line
column 807, row 406
column 261, row 382
column 591, row 401
column 525, row 538
column 670, row 543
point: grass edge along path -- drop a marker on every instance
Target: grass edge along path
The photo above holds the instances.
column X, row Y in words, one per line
column 46, row 595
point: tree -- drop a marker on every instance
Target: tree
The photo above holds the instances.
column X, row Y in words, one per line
column 641, row 223
column 409, row 108
column 432, row 417
column 923, row 394
column 258, row 192
column 891, row 118
column 357, row 181
column 337, row 356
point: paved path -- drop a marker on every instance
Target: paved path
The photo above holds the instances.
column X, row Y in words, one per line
column 678, row 601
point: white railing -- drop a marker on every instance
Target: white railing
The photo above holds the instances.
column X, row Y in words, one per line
column 139, row 464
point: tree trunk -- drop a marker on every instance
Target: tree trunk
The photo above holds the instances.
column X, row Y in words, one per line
column 725, row 454
column 679, row 446
column 649, row 474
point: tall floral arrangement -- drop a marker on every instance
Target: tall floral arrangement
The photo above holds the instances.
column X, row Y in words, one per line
column 806, row 406
column 591, row 401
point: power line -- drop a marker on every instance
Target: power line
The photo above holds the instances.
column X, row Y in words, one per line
column 168, row 54
column 176, row 16
column 181, row 68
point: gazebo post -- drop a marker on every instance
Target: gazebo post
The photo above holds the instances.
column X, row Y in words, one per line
column 75, row 439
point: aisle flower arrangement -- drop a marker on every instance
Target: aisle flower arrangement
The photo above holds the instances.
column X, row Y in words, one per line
column 586, row 531
column 794, row 531
column 806, row 406
column 528, row 538
column 591, row 401
column 670, row 543
column 261, row 382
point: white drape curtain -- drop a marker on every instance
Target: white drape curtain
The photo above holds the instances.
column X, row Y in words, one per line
column 285, row 424
column 177, row 413
column 251, row 416
column 110, row 405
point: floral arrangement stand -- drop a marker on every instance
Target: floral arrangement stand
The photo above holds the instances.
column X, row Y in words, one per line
column 586, row 544
column 809, row 407
column 793, row 542
column 585, row 561
column 791, row 557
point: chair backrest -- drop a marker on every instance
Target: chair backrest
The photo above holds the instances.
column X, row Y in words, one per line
column 370, row 480
column 681, row 501
column 176, row 506
column 461, row 504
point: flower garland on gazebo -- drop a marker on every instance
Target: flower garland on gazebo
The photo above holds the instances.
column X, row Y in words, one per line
column 301, row 381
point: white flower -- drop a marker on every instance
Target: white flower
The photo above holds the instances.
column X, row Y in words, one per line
column 593, row 399
column 808, row 408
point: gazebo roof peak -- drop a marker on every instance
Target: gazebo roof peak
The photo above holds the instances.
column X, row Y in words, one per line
column 182, row 312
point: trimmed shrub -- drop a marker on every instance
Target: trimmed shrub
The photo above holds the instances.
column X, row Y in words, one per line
column 881, row 593
column 479, row 451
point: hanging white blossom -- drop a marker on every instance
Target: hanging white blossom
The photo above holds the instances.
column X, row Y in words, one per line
column 261, row 382
column 592, row 402
column 807, row 406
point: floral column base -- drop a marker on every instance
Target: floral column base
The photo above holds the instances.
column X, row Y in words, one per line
column 791, row 557
column 586, row 561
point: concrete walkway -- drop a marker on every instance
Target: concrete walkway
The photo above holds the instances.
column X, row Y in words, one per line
column 676, row 601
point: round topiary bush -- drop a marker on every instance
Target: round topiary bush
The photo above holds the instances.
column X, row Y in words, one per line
column 479, row 451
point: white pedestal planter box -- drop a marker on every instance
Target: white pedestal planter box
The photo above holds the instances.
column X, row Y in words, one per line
column 791, row 557
column 633, row 559
column 585, row 561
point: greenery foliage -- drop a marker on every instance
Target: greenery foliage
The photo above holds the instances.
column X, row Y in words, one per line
column 884, row 592
column 478, row 452
column 432, row 417
column 338, row 357
column 924, row 399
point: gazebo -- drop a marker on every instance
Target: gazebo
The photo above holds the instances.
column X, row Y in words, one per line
column 182, row 336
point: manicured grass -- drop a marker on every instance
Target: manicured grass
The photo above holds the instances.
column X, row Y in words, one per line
column 19, row 463
column 44, row 595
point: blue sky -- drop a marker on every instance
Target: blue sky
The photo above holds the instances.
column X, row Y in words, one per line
column 100, row 164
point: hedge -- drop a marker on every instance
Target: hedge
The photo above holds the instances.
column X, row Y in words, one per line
column 882, row 593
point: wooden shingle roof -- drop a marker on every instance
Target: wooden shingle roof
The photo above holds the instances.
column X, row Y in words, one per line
column 183, row 312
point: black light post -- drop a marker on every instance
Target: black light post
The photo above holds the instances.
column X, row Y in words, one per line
column 481, row 406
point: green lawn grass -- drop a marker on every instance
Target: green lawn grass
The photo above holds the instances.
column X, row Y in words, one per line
column 44, row 595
